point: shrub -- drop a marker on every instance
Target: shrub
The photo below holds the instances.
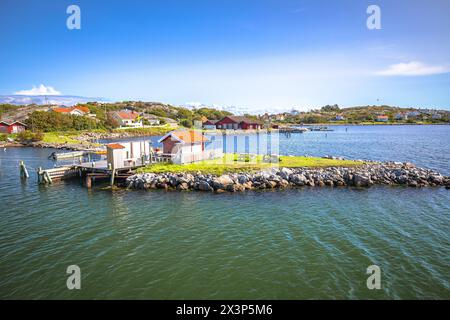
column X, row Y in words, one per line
column 54, row 121
column 27, row 136
column 186, row 123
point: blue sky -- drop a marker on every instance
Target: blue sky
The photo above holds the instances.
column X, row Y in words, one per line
column 252, row 53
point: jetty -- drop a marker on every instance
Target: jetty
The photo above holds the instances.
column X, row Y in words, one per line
column 117, row 162
column 292, row 130
column 320, row 128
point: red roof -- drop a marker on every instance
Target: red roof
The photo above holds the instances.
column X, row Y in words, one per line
column 115, row 146
column 67, row 110
column 383, row 117
column 187, row 136
column 12, row 123
column 62, row 110
column 127, row 115
column 239, row 119
column 82, row 108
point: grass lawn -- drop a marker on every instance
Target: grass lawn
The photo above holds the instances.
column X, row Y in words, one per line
column 60, row 137
column 65, row 137
column 150, row 131
column 229, row 163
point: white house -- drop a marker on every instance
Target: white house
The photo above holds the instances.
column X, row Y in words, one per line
column 401, row 116
column 128, row 118
column 151, row 119
column 127, row 154
column 74, row 111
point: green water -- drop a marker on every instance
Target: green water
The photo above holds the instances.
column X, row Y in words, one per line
column 298, row 244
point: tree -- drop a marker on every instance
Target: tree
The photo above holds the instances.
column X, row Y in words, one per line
column 328, row 108
column 54, row 121
column 186, row 123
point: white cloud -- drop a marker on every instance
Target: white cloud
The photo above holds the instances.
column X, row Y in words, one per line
column 413, row 68
column 39, row 91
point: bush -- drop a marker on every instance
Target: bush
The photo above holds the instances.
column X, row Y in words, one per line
column 3, row 136
column 111, row 123
column 54, row 121
column 186, row 123
column 27, row 136
column 38, row 136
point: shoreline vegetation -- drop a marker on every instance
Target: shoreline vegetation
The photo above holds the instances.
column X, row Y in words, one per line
column 85, row 139
column 229, row 163
column 81, row 140
column 49, row 128
column 363, row 175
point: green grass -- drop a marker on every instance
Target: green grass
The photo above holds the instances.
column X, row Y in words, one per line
column 69, row 137
column 150, row 131
column 60, row 137
column 229, row 164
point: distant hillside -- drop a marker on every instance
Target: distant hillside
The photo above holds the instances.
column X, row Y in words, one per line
column 101, row 110
column 361, row 114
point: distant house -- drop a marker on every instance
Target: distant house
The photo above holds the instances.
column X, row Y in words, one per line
column 413, row 114
column 128, row 118
column 75, row 111
column 209, row 124
column 339, row 117
column 238, row 122
column 151, row 119
column 187, row 146
column 436, row 116
column 171, row 122
column 12, row 127
column 382, row 118
column 401, row 116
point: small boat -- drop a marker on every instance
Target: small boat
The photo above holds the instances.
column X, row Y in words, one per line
column 66, row 155
column 320, row 129
column 293, row 129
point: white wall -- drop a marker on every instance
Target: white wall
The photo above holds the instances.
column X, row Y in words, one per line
column 189, row 154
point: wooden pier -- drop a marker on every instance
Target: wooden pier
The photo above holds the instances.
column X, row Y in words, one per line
column 121, row 159
column 88, row 172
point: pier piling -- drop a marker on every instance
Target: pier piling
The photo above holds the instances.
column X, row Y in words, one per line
column 23, row 170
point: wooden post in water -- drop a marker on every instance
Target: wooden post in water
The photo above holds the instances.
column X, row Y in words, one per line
column 39, row 175
column 23, row 170
column 113, row 173
column 88, row 181
column 47, row 177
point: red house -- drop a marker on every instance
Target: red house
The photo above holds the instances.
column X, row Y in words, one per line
column 382, row 118
column 238, row 122
column 13, row 127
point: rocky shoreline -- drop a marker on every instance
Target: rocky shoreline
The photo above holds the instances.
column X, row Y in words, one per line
column 366, row 175
column 60, row 146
